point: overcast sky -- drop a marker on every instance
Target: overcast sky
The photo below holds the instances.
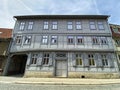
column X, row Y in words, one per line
column 10, row 8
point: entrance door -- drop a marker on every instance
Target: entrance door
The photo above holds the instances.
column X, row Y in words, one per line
column 61, row 68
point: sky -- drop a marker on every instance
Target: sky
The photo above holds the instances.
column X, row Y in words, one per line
column 10, row 8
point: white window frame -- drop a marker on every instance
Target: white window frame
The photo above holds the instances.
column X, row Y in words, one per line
column 95, row 40
column 70, row 39
column 100, row 25
column 104, row 59
column 46, row 58
column 103, row 40
column 70, row 25
column 45, row 25
column 22, row 26
column 27, row 39
column 79, row 59
column 80, row 40
column 91, row 59
column 54, row 39
column 30, row 25
column 54, row 25
column 92, row 25
column 44, row 39
column 78, row 25
column 34, row 59
column 18, row 39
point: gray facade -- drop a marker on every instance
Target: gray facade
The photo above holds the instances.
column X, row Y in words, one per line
column 64, row 46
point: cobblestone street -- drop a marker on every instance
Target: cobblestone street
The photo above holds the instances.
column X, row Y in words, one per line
column 58, row 87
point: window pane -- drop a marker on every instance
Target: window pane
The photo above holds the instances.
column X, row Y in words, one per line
column 45, row 58
column 78, row 25
column 54, row 25
column 100, row 25
column 54, row 39
column 45, row 39
column 30, row 25
column 27, row 39
column 92, row 25
column 46, row 25
column 70, row 25
column 18, row 39
column 22, row 25
column 70, row 39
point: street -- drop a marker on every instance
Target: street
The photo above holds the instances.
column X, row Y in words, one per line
column 10, row 86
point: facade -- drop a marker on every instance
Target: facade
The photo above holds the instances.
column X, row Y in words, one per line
column 116, row 39
column 62, row 46
column 5, row 37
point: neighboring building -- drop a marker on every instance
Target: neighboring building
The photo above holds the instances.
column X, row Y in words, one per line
column 62, row 46
column 116, row 38
column 5, row 37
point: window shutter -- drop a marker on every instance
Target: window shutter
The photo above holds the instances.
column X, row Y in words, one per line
column 99, row 61
column 110, row 60
column 86, row 62
column 28, row 59
column 50, row 60
column 39, row 60
column 74, row 59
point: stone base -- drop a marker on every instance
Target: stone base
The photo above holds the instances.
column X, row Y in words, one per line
column 38, row 74
column 93, row 75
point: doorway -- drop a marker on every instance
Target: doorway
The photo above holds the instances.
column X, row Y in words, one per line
column 17, row 65
column 61, row 68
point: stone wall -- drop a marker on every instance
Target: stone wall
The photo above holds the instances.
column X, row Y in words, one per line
column 93, row 75
column 38, row 74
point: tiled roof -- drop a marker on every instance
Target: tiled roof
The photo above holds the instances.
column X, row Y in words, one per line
column 115, row 30
column 5, row 33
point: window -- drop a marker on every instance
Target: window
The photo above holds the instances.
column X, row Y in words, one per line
column 45, row 39
column 54, row 25
column 53, row 39
column 78, row 25
column 100, row 26
column 18, row 39
column 95, row 40
column 92, row 25
column 34, row 58
column 70, row 26
column 46, row 26
column 22, row 25
column 70, row 40
column 27, row 39
column 80, row 40
column 91, row 59
column 104, row 60
column 46, row 58
column 79, row 60
column 103, row 40
column 30, row 25
column 61, row 54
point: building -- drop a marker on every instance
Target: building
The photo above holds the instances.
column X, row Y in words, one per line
column 62, row 46
column 5, row 37
column 116, row 39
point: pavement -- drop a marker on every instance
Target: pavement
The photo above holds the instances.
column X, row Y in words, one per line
column 57, row 81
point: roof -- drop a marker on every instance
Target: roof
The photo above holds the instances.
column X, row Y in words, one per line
column 5, row 33
column 62, row 17
column 115, row 30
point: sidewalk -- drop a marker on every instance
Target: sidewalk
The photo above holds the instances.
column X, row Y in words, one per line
column 57, row 81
